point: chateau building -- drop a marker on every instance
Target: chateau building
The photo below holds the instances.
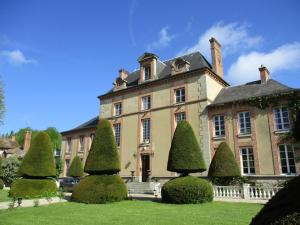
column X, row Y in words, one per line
column 144, row 107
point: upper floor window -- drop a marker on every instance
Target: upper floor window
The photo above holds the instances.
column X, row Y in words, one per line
column 147, row 73
column 146, row 102
column 282, row 121
column 287, row 159
column 118, row 109
column 180, row 95
column 81, row 143
column 248, row 161
column 244, row 123
column 180, row 117
column 117, row 131
column 146, row 130
column 219, row 125
column 69, row 144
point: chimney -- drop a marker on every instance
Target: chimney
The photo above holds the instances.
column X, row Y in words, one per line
column 123, row 74
column 264, row 74
column 27, row 140
column 216, row 57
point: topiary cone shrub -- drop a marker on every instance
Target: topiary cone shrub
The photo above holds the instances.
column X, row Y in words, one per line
column 223, row 169
column 283, row 208
column 76, row 168
column 36, row 171
column 185, row 157
column 103, row 184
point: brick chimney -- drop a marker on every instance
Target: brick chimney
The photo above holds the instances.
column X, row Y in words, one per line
column 27, row 140
column 216, row 57
column 123, row 74
column 264, row 74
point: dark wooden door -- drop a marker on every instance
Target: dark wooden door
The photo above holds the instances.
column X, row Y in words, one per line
column 145, row 167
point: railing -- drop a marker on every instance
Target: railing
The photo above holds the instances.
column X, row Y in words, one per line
column 228, row 192
column 262, row 192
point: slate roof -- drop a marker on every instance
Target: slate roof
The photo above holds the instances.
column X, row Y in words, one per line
column 92, row 123
column 249, row 90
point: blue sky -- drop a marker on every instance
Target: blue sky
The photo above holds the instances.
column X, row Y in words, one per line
column 57, row 56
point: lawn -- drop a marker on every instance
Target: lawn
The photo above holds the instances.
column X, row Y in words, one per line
column 132, row 212
column 4, row 196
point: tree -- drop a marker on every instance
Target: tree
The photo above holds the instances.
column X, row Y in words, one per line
column 2, row 104
column 55, row 137
column 10, row 167
column 223, row 164
column 20, row 135
column 76, row 168
column 185, row 155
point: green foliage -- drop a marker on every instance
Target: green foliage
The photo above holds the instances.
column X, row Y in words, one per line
column 185, row 155
column 76, row 168
column 1, row 184
column 291, row 219
column 59, row 166
column 2, row 104
column 33, row 188
column 39, row 160
column 284, row 203
column 296, row 128
column 10, row 167
column 55, row 137
column 20, row 135
column 103, row 157
column 100, row 189
column 223, row 165
column 187, row 189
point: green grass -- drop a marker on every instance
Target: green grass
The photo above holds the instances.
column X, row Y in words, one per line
column 132, row 212
column 4, row 196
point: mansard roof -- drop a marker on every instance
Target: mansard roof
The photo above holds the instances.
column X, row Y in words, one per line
column 250, row 90
column 92, row 123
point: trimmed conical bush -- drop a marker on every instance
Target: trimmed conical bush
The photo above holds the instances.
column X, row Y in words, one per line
column 103, row 157
column 185, row 155
column 223, row 163
column 76, row 168
column 39, row 160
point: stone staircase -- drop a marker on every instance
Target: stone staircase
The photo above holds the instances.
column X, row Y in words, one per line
column 139, row 188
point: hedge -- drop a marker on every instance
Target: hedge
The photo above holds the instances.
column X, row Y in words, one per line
column 103, row 157
column 76, row 168
column 185, row 155
column 188, row 189
column 291, row 219
column 100, row 189
column 33, row 188
column 1, row 184
column 39, row 160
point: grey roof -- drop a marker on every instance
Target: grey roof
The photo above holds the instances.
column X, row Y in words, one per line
column 250, row 90
column 92, row 123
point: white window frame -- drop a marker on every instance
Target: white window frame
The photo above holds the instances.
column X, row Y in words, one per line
column 280, row 124
column 146, row 102
column 146, row 130
column 244, row 122
column 219, row 130
column 117, row 132
column 287, row 159
column 147, row 73
column 118, row 109
column 81, row 143
column 180, row 117
column 179, row 95
column 248, row 161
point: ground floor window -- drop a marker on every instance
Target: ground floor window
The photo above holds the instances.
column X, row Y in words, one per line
column 67, row 165
column 248, row 161
column 287, row 159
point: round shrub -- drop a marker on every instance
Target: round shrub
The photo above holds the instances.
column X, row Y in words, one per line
column 76, row 168
column 33, row 188
column 188, row 189
column 1, row 184
column 100, row 189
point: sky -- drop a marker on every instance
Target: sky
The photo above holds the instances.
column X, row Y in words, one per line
column 57, row 56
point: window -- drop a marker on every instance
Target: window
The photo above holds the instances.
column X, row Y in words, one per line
column 81, row 143
column 146, row 102
column 179, row 66
column 147, row 73
column 248, row 161
column 281, row 118
column 219, row 126
column 244, row 122
column 69, row 144
column 118, row 109
column 179, row 117
column 287, row 159
column 179, row 95
column 117, row 131
column 67, row 165
column 146, row 130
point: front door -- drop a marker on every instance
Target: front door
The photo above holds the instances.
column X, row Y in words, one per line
column 145, row 167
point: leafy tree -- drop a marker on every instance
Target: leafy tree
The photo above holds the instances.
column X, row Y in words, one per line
column 55, row 137
column 20, row 135
column 10, row 167
column 59, row 166
column 185, row 155
column 76, row 168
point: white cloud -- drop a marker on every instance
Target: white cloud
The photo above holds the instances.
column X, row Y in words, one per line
column 234, row 37
column 245, row 69
column 16, row 58
column 164, row 39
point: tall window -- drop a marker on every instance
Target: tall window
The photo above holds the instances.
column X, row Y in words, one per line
column 180, row 95
column 118, row 109
column 248, row 161
column 117, row 131
column 147, row 73
column 179, row 117
column 219, row 126
column 69, row 143
column 67, row 165
column 146, row 102
column 244, row 122
column 81, row 143
column 287, row 159
column 282, row 121
column 146, row 130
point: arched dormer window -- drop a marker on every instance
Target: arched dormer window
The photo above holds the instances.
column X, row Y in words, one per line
column 179, row 66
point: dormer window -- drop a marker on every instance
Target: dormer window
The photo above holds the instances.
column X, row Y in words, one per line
column 179, row 66
column 147, row 73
